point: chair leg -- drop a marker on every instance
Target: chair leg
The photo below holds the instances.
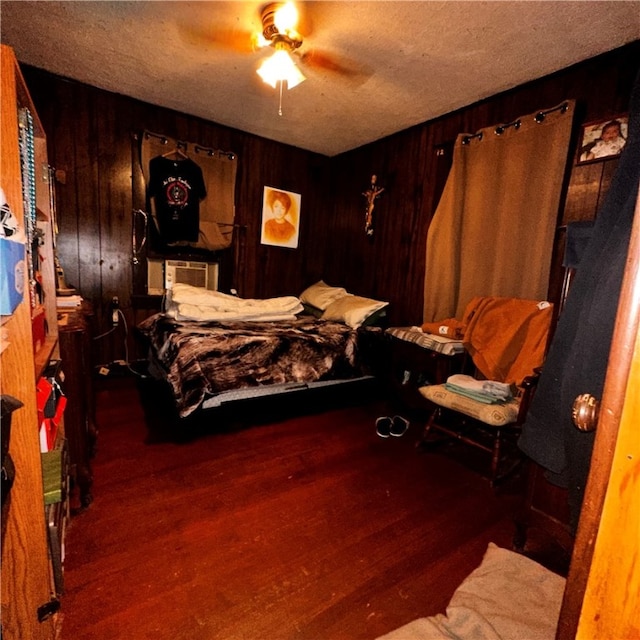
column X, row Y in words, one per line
column 495, row 456
column 520, row 533
column 422, row 441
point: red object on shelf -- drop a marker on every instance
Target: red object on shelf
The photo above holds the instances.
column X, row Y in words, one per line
column 48, row 426
column 44, row 391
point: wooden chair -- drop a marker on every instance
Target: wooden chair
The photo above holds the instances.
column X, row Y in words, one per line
column 519, row 329
column 491, row 428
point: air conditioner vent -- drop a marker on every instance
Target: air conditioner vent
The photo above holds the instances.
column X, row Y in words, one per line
column 163, row 274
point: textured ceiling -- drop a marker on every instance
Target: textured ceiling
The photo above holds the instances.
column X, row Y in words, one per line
column 409, row 61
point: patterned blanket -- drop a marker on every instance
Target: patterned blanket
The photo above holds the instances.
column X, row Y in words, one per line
column 202, row 359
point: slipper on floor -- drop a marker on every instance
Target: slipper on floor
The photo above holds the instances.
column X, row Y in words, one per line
column 383, row 426
column 399, row 426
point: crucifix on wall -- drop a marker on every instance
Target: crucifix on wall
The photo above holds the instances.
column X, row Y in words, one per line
column 371, row 194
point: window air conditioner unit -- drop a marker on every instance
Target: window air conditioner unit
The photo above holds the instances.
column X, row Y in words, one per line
column 163, row 274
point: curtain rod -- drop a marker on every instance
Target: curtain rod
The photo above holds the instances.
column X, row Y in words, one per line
column 501, row 128
column 181, row 144
column 516, row 124
column 469, row 138
column 213, row 152
column 541, row 115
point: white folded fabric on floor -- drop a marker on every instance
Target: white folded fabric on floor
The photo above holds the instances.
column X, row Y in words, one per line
column 508, row 597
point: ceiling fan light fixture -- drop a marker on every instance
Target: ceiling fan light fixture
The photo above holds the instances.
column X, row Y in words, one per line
column 280, row 68
column 286, row 17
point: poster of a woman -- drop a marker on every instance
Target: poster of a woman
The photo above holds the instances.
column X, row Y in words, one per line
column 280, row 218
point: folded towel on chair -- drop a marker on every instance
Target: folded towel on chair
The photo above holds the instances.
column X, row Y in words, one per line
column 488, row 391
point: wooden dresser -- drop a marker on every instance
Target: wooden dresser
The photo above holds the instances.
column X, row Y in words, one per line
column 74, row 335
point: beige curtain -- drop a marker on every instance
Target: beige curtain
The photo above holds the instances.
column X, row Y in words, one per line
column 493, row 231
column 219, row 168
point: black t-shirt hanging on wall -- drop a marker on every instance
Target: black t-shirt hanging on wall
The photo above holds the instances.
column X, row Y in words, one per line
column 177, row 187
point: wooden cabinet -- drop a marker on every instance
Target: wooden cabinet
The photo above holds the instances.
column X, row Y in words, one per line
column 544, row 518
column 79, row 420
column 28, row 591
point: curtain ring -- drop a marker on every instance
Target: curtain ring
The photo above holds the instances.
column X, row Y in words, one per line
column 467, row 139
column 501, row 128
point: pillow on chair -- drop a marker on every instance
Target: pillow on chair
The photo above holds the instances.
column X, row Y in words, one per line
column 496, row 415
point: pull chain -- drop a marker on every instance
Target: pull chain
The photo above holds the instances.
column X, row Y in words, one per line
column 280, row 105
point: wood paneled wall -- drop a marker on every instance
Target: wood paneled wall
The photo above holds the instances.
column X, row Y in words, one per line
column 90, row 131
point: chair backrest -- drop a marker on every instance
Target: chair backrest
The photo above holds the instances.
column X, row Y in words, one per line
column 507, row 337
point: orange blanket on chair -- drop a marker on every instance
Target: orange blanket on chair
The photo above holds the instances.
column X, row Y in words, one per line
column 506, row 337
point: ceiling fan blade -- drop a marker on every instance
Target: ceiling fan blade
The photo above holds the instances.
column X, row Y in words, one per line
column 234, row 39
column 342, row 66
column 304, row 26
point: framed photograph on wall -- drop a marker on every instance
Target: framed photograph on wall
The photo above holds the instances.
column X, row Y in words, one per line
column 603, row 139
column 280, row 218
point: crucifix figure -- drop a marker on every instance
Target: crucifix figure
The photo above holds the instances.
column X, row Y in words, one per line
column 371, row 194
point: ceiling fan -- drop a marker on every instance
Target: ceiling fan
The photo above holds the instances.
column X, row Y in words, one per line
column 285, row 25
column 282, row 28
column 279, row 22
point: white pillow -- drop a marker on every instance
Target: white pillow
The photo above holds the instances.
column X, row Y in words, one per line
column 321, row 295
column 352, row 310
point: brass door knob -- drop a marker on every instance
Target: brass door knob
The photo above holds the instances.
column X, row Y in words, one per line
column 585, row 412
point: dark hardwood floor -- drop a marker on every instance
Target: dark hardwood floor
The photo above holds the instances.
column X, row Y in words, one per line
column 310, row 527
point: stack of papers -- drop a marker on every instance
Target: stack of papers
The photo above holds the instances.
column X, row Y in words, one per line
column 68, row 302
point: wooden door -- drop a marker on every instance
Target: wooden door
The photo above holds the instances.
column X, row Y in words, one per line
column 602, row 597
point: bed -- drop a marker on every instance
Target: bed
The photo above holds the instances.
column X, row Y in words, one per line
column 212, row 348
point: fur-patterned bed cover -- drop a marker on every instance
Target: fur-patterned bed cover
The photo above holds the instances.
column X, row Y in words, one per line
column 202, row 359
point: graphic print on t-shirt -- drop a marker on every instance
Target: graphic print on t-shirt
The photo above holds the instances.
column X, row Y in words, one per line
column 177, row 192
